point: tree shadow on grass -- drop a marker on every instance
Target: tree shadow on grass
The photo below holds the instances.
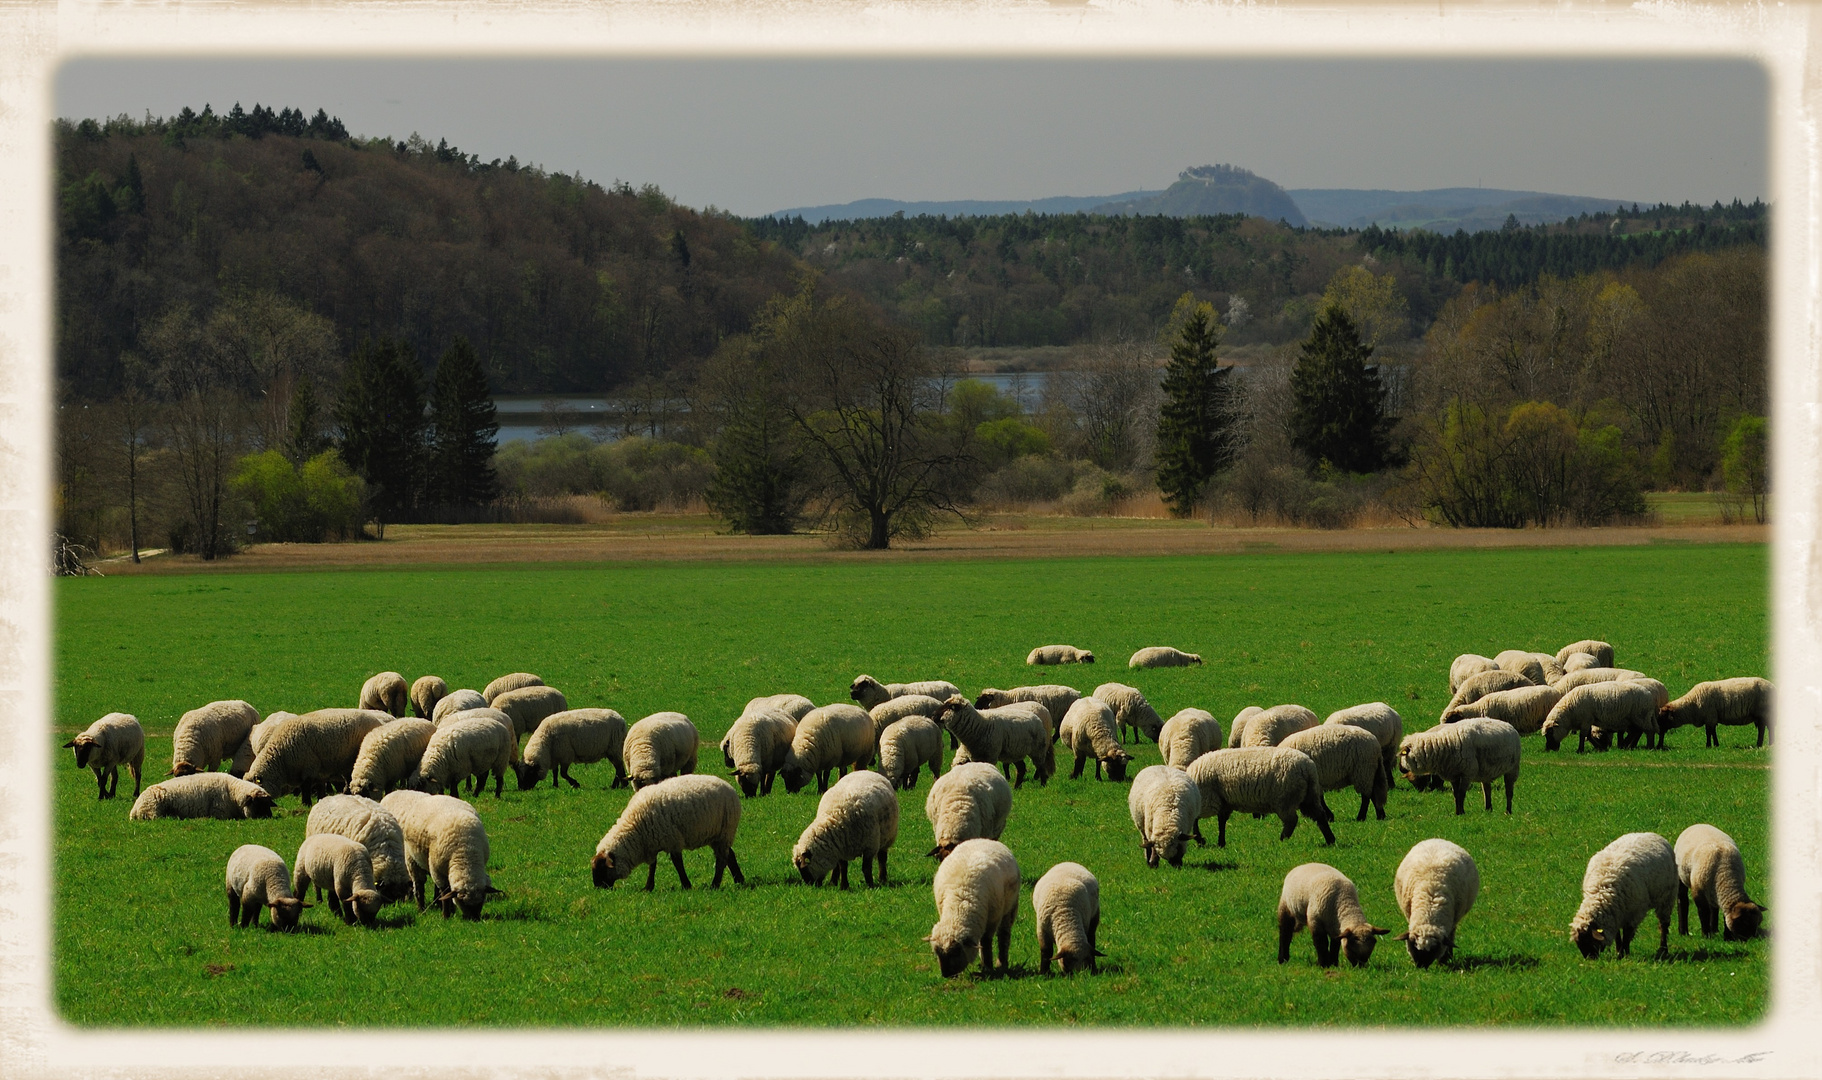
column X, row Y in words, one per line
column 1475, row 963
column 1213, row 865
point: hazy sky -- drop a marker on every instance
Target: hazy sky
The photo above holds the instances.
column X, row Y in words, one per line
column 756, row 135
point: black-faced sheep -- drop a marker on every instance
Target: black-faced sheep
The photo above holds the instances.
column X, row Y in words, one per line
column 1475, row 687
column 857, row 818
column 970, row 800
column 870, row 691
column 672, row 816
column 374, row 827
column 1067, row 903
column 1237, row 730
column 1467, row 665
column 255, row 741
column 1260, row 780
column 1628, row 878
column 1709, row 869
column 202, row 795
column 343, row 867
column 1435, row 884
column 1088, row 731
column 389, row 754
column 575, row 737
column 446, row 847
column 1733, row 702
column 977, row 894
column 909, row 745
column 1059, row 654
column 1345, row 756
column 1589, row 676
column 1131, row 710
column 1006, row 736
column 105, row 745
column 834, row 738
column 1165, row 805
column 1385, row 724
column 1463, row 754
column 1055, row 698
column 1272, row 726
column 1187, row 736
column 1162, row 656
column 508, row 683
column 756, row 747
column 385, row 692
column 888, row 713
column 1526, row 665
column 424, row 695
column 318, row 749
column 659, row 747
column 1322, row 898
column 205, row 736
column 257, row 878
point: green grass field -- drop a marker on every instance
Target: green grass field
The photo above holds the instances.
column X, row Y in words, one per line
column 141, row 934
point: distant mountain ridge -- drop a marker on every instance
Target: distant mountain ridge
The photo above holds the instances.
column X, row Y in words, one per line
column 1215, row 189
column 879, row 208
column 1442, row 209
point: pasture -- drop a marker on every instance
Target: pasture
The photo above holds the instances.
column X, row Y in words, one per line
column 140, row 933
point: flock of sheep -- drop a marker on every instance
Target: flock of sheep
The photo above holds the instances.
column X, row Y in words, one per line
column 386, row 820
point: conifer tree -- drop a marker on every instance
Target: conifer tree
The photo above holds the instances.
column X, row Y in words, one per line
column 464, row 430
column 1338, row 412
column 381, row 416
column 305, row 439
column 1195, row 420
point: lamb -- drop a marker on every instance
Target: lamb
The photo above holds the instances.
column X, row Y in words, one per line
column 1059, row 654
column 1710, row 869
column 970, row 800
column 1589, row 676
column 858, row 816
column 1187, row 736
column 1725, row 701
column 795, row 706
column 1237, row 730
column 1006, row 736
column 834, row 738
column 424, row 695
column 575, row 737
column 660, row 746
column 1088, row 731
column 105, row 745
column 463, row 748
column 456, row 701
column 1131, row 710
column 1259, row 780
column 1524, row 707
column 385, row 692
column 1322, row 898
column 255, row 741
column 389, row 754
column 1525, row 665
column 870, row 692
column 257, row 878
column 446, row 846
column 1436, row 884
column 907, row 746
column 345, row 866
column 1385, row 724
column 757, row 746
column 314, row 750
column 1055, row 698
column 1464, row 753
column 1631, row 876
column 508, row 683
column 977, row 893
column 528, row 706
column 1272, row 726
column 1600, row 650
column 1475, row 687
column 202, row 795
column 1162, row 656
column 675, row 815
column 1067, row 903
column 1345, row 756
column 1466, row 666
column 375, row 827
column 1612, row 706
column 203, row 737
column 1165, row 805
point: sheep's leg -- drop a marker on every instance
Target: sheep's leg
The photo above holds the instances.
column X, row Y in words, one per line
column 677, row 861
column 573, row 782
column 1682, row 909
column 881, row 859
column 1760, row 724
column 651, row 876
column 101, row 784
column 1708, row 913
column 1287, row 929
column 249, row 915
column 1220, row 828
column 822, row 782
column 1625, row 943
column 1328, row 834
column 135, row 770
column 1365, row 798
column 1081, row 760
column 1046, row 948
column 866, row 869
column 1486, row 787
column 734, row 867
column 721, row 863
column 1094, row 925
column 1290, row 825
column 1461, row 797
column 1005, row 943
column 841, row 875
column 1663, row 952
column 233, row 908
column 1391, row 769
column 1511, row 781
column 1021, row 780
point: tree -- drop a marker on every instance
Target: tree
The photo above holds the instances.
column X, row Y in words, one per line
column 464, row 430
column 204, row 425
column 1371, row 300
column 1338, row 416
column 268, row 344
column 306, row 439
column 1745, row 461
column 764, row 479
column 1109, row 403
column 134, row 410
column 381, row 416
column 1195, row 421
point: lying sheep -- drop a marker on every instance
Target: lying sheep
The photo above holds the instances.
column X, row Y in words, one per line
column 1059, row 654
column 528, row 706
column 1436, row 884
column 1162, row 656
column 1056, row 699
column 255, row 741
column 1131, row 710
column 1626, row 879
column 906, row 747
column 388, row 755
column 970, row 800
column 1272, row 726
column 1165, row 805
column 456, row 701
column 1525, row 665
column 1385, row 724
column 857, row 818
column 870, row 691
column 659, row 747
column 376, row 828
column 476, row 747
column 1345, row 756
column 1006, row 736
column 1462, row 754
column 756, row 747
column 1088, row 732
column 1525, row 708
column 1187, row 736
column 1611, row 706
column 446, row 847
column 1067, row 903
column 507, row 683
column 1709, row 869
column 1322, row 898
column 1733, row 702
column 575, row 737
column 1259, row 780
column 257, row 878
column 1590, row 676
column 1475, row 687
column 1600, row 650
column 834, row 738
column 675, row 815
column 1237, row 730
column 313, row 751
column 1466, row 666
column 424, row 695
column 346, row 868
column 105, row 745
column 977, row 893
column 203, row 737
column 385, row 692
column 202, row 795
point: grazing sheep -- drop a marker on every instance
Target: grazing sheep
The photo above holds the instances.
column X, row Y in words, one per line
column 476, row 714
column 857, row 817
column 1601, row 735
column 1162, row 656
column 795, row 706
column 1524, row 707
column 257, row 878
column 507, row 683
column 375, row 827
column 1345, row 756
column 870, row 691
column 1475, row 687
column 385, row 692
column 456, row 701
column 446, row 846
column 909, row 745
column 345, row 866
column 396, row 802
column 659, row 747
column 1709, row 869
column 1466, row 666
column 1187, row 736
column 1131, row 710
column 1436, row 884
column 424, row 695
column 313, row 751
column 1626, row 879
column 475, row 747
column 675, row 815
column 1600, row 650
column 1579, row 661
column 1524, row 664
column 834, row 738
column 1259, row 780
column 970, row 800
column 105, row 745
column 1322, row 898
column 1237, row 730
column 1059, row 654
column 202, row 795
column 388, row 755
column 1733, row 702
column 1385, row 724
column 1610, row 706
column 1462, row 754
column 203, row 737
column 1006, row 736
column 1067, row 903
column 977, row 893
column 756, row 747
column 528, row 706
column 1589, row 676
column 1088, row 732
column 890, row 712
column 575, row 737
column 1552, row 667
column 1165, row 805
column 255, row 741
column 1055, row 699
column 1272, row 726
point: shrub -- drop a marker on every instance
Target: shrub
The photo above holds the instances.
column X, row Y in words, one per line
column 1032, row 478
column 323, row 498
column 1531, row 464
column 636, row 473
column 1745, row 465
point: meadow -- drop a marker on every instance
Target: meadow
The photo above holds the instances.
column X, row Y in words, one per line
column 140, row 931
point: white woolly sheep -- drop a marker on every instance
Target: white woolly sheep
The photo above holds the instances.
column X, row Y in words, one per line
column 977, row 893
column 890, row 712
column 1162, row 656
column 757, row 746
column 1385, row 724
column 1436, row 884
column 1579, row 661
column 1626, row 879
column 1475, row 687
column 1525, row 707
column 375, row 827
column 385, row 692
column 870, row 691
column 508, row 683
column 255, row 741
column 1345, row 756
column 1260, row 780
column 456, row 701
column 1165, row 805
column 909, row 745
column 671, row 816
column 1590, row 676
column 308, row 754
column 1733, row 702
column 1272, row 726
column 834, row 738
column 476, row 747
column 659, row 747
column 1322, row 898
column 1709, row 869
column 389, row 754
column 424, row 695
column 344, row 866
column 1187, row 736
column 857, row 818
column 795, row 706
column 528, row 706
column 1067, row 903
column 445, row 846
column 1610, row 706
column 105, row 745
column 1466, row 666
column 970, row 800
column 1131, row 710
column 1059, row 654
column 203, row 737
column 257, row 878
column 1237, row 730
column 1600, row 735
column 1006, row 736
column 1463, row 754
column 1088, row 731
column 1055, row 698
column 202, row 795
column 1524, row 664
column 1600, row 650
column 575, row 737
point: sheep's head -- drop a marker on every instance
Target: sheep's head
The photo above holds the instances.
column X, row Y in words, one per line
column 608, row 869
column 942, row 850
column 806, row 866
column 867, row 690
column 183, row 768
column 953, row 957
column 1171, row 851
column 1357, row 943
column 1084, row 657
column 285, row 911
column 258, row 805
column 1743, row 919
column 748, row 778
column 84, row 745
column 991, row 699
column 727, row 754
column 1115, row 764
column 1074, row 960
column 1553, row 734
column 1667, row 718
column 365, row 903
column 1589, row 939
column 468, row 900
column 795, row 776
column 1426, row 945
column 529, row 775
column 365, row 788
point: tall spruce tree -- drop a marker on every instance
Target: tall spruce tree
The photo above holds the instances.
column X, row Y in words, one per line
column 464, row 430
column 1195, row 421
column 1338, row 403
column 381, row 416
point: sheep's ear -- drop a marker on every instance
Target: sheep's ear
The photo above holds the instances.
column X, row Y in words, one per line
column 1098, row 952
column 1406, row 936
column 931, row 854
column 301, row 904
column 1377, row 930
column 69, row 744
column 1599, row 934
column 929, row 937
column 491, row 891
column 1183, row 836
